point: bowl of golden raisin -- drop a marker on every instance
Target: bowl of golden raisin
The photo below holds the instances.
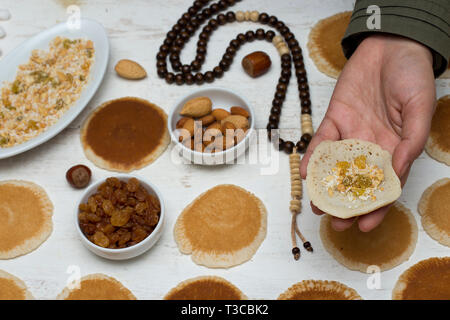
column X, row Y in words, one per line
column 120, row 217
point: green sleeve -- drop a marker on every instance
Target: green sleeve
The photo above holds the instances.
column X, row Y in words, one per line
column 425, row 21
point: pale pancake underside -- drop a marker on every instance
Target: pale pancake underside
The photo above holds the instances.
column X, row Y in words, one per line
column 434, row 231
column 325, row 157
column 220, row 259
column 35, row 241
column 331, row 288
column 98, row 276
column 185, row 284
column 314, row 47
column 424, row 267
column 19, row 283
column 432, row 146
column 337, row 252
column 120, row 167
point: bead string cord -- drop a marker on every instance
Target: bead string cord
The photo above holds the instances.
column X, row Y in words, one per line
column 288, row 48
column 296, row 204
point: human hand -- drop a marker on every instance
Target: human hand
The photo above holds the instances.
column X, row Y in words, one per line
column 386, row 95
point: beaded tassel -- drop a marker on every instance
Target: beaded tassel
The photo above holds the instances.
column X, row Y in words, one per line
column 296, row 204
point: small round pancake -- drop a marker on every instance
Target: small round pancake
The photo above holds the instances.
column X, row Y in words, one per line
column 386, row 246
column 433, row 207
column 97, row 287
column 221, row 228
column 438, row 143
column 25, row 217
column 319, row 290
column 12, row 288
column 324, row 159
column 205, row 288
column 324, row 43
column 125, row 134
column 426, row 280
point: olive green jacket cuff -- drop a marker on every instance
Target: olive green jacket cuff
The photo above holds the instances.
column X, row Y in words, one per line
column 425, row 21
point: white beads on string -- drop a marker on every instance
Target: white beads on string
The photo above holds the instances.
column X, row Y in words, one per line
column 306, row 124
column 247, row 16
column 281, row 46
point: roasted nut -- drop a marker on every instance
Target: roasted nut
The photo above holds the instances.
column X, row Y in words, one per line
column 129, row 69
column 181, row 122
column 220, row 114
column 256, row 64
column 189, row 125
column 238, row 121
column 207, row 120
column 197, row 107
column 239, row 111
column 79, row 176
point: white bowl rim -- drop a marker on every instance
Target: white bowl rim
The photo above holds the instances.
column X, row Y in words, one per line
column 220, row 153
column 140, row 244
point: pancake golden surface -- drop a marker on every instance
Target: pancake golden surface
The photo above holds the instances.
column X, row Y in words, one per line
column 319, row 290
column 386, row 246
column 205, row 288
column 25, row 217
column 12, row 288
column 434, row 208
column 221, row 228
column 97, row 287
column 125, row 134
column 438, row 143
column 426, row 280
column 324, row 43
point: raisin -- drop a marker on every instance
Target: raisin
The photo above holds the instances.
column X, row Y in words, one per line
column 138, row 234
column 120, row 218
column 140, row 207
column 101, row 239
column 108, row 207
column 133, row 185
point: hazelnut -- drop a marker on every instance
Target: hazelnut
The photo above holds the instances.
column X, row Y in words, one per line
column 256, row 63
column 79, row 176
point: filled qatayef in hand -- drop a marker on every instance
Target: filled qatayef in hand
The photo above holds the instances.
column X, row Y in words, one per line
column 351, row 177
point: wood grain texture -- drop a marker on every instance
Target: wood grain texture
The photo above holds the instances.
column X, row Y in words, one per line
column 136, row 29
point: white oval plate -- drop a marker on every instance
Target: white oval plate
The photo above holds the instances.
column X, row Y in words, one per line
column 89, row 29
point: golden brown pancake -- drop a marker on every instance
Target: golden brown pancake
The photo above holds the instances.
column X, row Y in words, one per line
column 324, row 43
column 319, row 290
column 205, row 288
column 12, row 288
column 434, row 208
column 426, row 280
column 222, row 228
column 386, row 246
column 97, row 287
column 438, row 143
column 25, row 217
column 125, row 134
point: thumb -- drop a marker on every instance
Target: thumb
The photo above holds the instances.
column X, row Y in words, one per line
column 416, row 126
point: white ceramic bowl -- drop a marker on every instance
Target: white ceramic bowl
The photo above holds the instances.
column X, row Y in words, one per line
column 89, row 29
column 137, row 249
column 221, row 98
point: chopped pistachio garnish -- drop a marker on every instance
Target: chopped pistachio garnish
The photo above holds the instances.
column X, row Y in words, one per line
column 356, row 179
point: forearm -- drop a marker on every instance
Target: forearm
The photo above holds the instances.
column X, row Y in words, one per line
column 425, row 21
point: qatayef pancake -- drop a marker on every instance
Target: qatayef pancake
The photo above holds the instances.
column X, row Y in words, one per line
column 25, row 217
column 205, row 288
column 125, row 134
column 324, row 43
column 222, row 228
column 319, row 290
column 426, row 280
column 388, row 245
column 97, row 287
column 434, row 208
column 438, row 143
column 351, row 177
column 12, row 288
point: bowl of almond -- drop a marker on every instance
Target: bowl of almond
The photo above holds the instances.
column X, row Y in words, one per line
column 211, row 126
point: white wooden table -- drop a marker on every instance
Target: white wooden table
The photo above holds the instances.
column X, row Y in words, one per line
column 136, row 29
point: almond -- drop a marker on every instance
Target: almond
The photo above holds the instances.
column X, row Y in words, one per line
column 228, row 126
column 129, row 69
column 214, row 125
column 189, row 126
column 239, row 111
column 220, row 114
column 240, row 122
column 197, row 107
column 207, row 120
column 181, row 122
